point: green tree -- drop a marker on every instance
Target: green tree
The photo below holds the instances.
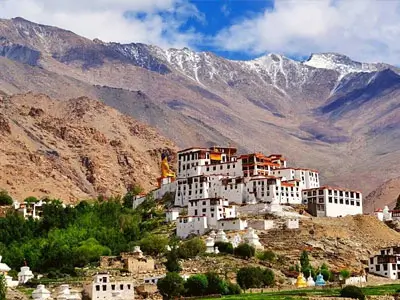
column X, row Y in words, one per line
column 233, row 288
column 352, row 291
column 324, row 270
column 196, row 285
column 268, row 277
column 3, row 287
column 215, row 284
column 5, row 198
column 268, row 255
column 224, row 247
column 154, row 244
column 245, row 251
column 344, row 274
column 172, row 264
column 250, row 277
column 171, row 286
column 192, row 248
column 89, row 251
column 127, row 200
column 304, row 261
column 31, row 199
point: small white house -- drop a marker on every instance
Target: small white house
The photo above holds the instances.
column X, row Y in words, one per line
column 102, row 288
column 292, row 223
column 171, row 215
column 386, row 263
column 153, row 279
column 186, row 226
column 232, row 224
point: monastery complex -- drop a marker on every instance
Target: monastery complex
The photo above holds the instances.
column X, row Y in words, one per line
column 213, row 186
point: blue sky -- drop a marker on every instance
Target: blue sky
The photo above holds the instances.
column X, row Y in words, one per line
column 219, row 14
column 365, row 30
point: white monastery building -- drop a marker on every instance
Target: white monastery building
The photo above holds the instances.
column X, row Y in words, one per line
column 211, row 182
column 332, row 202
column 386, row 263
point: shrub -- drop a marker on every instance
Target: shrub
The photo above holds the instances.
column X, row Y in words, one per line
column 31, row 199
column 326, row 274
column 154, row 244
column 224, row 247
column 215, row 284
column 344, row 274
column 267, row 255
column 5, row 198
column 244, row 251
column 304, row 260
column 171, row 286
column 250, row 277
column 352, row 291
column 268, row 277
column 196, row 285
column 172, row 264
column 192, row 248
column 233, row 288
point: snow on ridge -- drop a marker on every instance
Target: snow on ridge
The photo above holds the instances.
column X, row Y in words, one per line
column 340, row 63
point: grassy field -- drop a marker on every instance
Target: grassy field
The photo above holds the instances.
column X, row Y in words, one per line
column 327, row 292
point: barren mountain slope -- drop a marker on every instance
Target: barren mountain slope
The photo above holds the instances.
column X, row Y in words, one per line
column 340, row 242
column 330, row 113
column 74, row 149
column 385, row 194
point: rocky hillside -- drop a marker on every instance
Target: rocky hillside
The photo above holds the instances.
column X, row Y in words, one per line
column 385, row 194
column 328, row 113
column 74, row 149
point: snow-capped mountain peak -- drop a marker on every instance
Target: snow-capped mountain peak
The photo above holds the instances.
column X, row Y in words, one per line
column 338, row 62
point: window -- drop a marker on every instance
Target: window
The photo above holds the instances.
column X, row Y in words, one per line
column 97, row 288
column 385, row 267
column 129, row 286
column 204, row 210
column 104, row 288
column 352, row 202
column 378, row 268
column 394, row 266
column 121, row 287
column 208, row 169
column 358, row 203
column 113, row 287
column 371, row 260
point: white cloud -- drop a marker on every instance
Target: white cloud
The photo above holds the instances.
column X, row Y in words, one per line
column 159, row 21
column 367, row 30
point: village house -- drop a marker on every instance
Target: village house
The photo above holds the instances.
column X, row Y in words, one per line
column 328, row 201
column 386, row 263
column 103, row 288
column 135, row 262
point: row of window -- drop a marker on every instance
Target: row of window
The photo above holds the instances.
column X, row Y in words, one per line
column 113, row 287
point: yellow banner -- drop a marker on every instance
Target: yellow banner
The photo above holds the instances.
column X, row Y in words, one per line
column 215, row 156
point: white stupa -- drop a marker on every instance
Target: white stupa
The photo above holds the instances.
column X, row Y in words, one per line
column 210, row 245
column 64, row 293
column 310, row 281
column 25, row 275
column 41, row 293
column 386, row 214
column 236, row 240
column 252, row 239
column 216, row 250
column 4, row 269
column 137, row 252
column 221, row 236
column 213, row 234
